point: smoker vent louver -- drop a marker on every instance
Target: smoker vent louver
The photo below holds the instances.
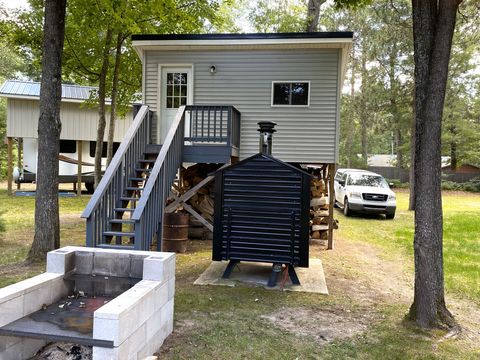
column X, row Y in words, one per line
column 262, row 211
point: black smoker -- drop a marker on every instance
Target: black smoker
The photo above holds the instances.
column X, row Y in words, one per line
column 262, row 209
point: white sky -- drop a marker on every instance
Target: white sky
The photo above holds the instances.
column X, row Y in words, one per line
column 14, row 4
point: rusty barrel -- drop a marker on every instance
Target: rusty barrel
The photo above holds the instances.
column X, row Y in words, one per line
column 175, row 232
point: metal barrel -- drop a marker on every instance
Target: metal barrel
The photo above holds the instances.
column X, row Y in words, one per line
column 175, row 232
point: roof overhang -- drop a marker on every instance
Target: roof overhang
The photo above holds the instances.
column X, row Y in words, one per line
column 32, row 97
column 287, row 41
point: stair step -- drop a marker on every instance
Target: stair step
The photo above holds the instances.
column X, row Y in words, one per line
column 121, row 221
column 123, row 209
column 138, row 179
column 126, row 198
column 143, row 170
column 118, row 233
column 152, row 149
column 132, row 188
column 143, row 161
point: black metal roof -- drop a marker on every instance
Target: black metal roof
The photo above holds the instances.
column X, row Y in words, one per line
column 266, row 156
column 256, row 36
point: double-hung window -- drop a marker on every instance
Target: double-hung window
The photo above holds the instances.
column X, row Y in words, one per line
column 291, row 93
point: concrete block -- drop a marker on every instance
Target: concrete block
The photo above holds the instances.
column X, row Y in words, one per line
column 136, row 266
column 60, row 261
column 84, row 262
column 171, row 288
column 34, row 300
column 161, row 296
column 136, row 341
column 22, row 287
column 106, row 329
column 14, row 352
column 7, row 342
column 153, row 268
column 111, row 264
column 60, row 289
column 31, row 346
column 170, row 266
column 100, row 353
column 11, row 310
column 153, row 324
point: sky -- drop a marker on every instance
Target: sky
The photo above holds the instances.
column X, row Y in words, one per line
column 14, row 4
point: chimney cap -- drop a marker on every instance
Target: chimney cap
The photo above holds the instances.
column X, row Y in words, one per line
column 267, row 126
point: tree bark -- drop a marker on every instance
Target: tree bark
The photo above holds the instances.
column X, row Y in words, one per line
column 433, row 27
column 101, row 107
column 363, row 111
column 47, row 223
column 453, row 148
column 113, row 106
column 411, row 175
column 313, row 14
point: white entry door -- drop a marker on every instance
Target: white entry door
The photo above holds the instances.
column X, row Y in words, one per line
column 176, row 90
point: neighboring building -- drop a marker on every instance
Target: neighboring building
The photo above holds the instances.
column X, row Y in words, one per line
column 79, row 127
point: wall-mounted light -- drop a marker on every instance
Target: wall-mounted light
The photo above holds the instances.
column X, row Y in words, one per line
column 213, row 69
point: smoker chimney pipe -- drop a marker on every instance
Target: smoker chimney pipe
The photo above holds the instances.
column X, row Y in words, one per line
column 266, row 131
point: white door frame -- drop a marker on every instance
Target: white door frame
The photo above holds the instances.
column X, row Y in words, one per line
column 161, row 67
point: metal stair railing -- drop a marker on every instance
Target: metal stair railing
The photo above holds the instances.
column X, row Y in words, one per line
column 101, row 206
column 148, row 214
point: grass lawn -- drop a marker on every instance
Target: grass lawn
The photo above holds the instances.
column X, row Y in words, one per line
column 369, row 275
column 461, row 238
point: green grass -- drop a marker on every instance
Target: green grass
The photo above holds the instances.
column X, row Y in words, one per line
column 461, row 239
column 215, row 322
column 17, row 221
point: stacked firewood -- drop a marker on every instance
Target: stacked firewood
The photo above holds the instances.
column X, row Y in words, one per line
column 203, row 200
column 319, row 209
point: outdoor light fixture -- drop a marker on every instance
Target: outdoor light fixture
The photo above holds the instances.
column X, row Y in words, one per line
column 213, row 69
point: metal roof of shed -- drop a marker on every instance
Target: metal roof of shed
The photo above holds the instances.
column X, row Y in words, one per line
column 31, row 90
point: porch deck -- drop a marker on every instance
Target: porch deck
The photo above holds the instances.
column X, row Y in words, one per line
column 212, row 133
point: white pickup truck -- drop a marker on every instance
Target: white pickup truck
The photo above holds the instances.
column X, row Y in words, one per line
column 364, row 192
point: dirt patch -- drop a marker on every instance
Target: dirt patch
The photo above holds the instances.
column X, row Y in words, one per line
column 324, row 325
column 64, row 351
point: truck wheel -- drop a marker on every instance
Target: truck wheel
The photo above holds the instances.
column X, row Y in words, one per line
column 390, row 216
column 90, row 188
column 346, row 210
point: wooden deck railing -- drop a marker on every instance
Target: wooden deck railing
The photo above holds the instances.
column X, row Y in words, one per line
column 148, row 215
column 213, row 124
column 101, row 206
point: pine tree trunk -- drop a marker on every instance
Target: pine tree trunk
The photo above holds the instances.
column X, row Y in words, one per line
column 453, row 148
column 101, row 107
column 47, row 223
column 411, row 173
column 113, row 106
column 433, row 27
column 363, row 111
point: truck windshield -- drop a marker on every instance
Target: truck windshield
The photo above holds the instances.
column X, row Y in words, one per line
column 367, row 180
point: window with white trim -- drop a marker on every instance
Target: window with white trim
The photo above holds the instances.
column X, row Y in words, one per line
column 294, row 93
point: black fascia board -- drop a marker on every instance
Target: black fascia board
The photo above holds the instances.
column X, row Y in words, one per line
column 256, row 36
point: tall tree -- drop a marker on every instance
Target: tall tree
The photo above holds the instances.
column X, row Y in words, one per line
column 47, row 224
column 313, row 14
column 433, row 28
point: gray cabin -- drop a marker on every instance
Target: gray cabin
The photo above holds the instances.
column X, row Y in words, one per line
column 203, row 96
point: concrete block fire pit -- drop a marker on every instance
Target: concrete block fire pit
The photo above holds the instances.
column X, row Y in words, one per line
column 118, row 301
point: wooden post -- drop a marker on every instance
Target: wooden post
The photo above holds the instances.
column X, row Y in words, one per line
column 331, row 198
column 19, row 160
column 79, row 167
column 9, row 165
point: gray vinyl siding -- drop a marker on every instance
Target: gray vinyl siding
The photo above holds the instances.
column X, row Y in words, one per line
column 244, row 79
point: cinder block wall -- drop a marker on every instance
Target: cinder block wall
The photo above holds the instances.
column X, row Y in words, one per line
column 138, row 321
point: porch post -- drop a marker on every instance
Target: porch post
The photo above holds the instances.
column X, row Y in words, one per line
column 9, row 164
column 331, row 198
column 79, row 167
